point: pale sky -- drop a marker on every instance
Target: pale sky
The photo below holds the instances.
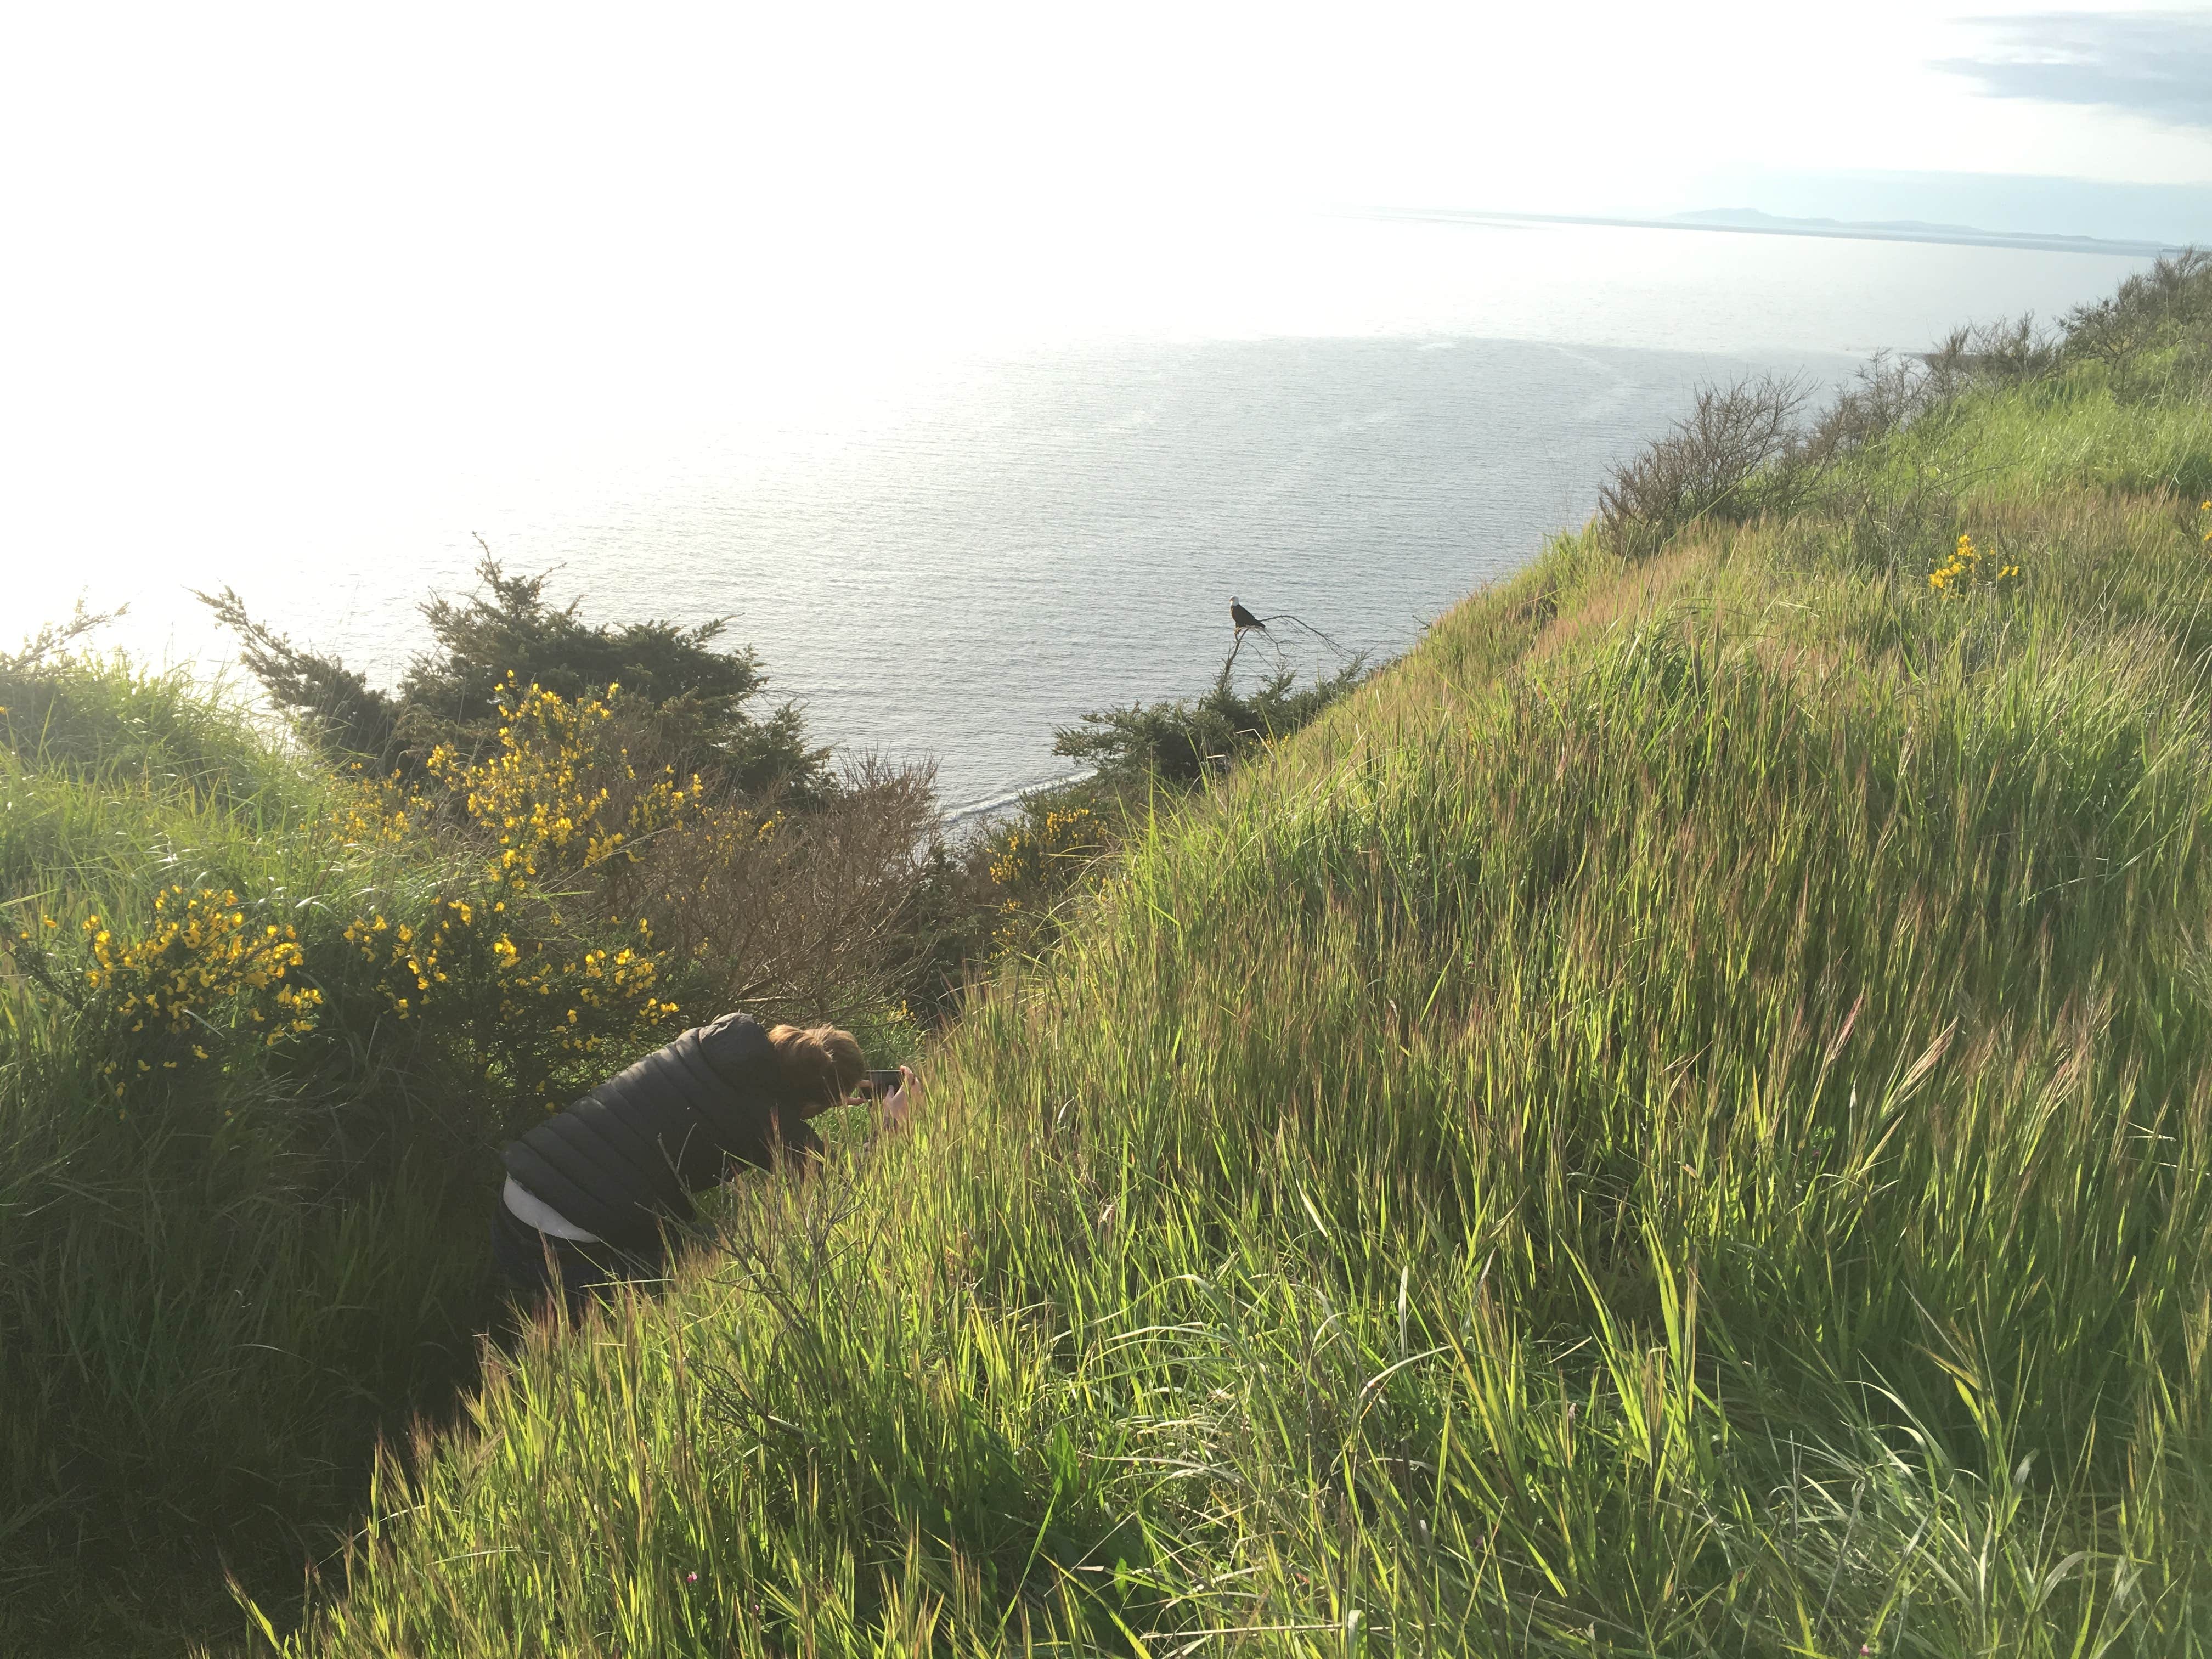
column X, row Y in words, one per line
column 457, row 118
column 377, row 181
column 267, row 163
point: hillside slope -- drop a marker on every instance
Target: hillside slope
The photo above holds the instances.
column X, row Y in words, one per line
column 1675, row 1122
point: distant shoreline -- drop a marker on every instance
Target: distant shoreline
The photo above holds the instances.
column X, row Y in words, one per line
column 1955, row 236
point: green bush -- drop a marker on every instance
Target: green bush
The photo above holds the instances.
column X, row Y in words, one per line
column 1000, row 889
column 1180, row 745
column 455, row 693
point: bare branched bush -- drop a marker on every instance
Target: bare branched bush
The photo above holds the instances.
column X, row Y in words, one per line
column 2001, row 353
column 1892, row 391
column 2154, row 336
column 1700, row 468
column 802, row 915
column 2176, row 289
column 785, row 903
column 54, row 640
column 1888, row 391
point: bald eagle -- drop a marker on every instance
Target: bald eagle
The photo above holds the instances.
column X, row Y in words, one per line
column 1243, row 618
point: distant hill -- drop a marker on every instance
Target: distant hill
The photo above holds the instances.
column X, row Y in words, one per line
column 1752, row 219
column 1751, row 222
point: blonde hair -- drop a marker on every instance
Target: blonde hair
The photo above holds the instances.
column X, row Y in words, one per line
column 821, row 1064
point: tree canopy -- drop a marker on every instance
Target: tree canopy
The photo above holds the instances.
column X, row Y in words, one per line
column 699, row 694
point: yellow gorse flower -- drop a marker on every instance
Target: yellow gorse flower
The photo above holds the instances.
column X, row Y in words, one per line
column 1065, row 834
column 1028, row 854
column 378, row 813
column 547, row 795
column 200, row 974
column 1968, row 568
column 463, row 961
column 555, row 800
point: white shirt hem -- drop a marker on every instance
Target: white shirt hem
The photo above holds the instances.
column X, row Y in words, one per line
column 527, row 1206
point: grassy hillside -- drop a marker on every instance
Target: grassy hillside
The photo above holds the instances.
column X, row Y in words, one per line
column 1674, row 1121
column 261, row 1026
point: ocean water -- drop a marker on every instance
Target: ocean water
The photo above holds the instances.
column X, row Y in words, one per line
column 948, row 528
column 1068, row 532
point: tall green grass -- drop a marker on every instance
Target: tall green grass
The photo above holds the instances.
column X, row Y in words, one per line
column 244, row 1240
column 2064, row 432
column 1673, row 1121
column 212, row 1303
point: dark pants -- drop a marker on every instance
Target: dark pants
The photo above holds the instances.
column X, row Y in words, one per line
column 529, row 1259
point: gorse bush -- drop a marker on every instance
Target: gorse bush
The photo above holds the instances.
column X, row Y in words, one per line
column 1970, row 568
column 1037, row 860
column 549, row 789
column 511, row 989
column 522, row 1018
column 204, row 975
column 1023, row 857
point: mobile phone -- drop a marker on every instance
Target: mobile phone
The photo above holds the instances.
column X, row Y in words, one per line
column 883, row 1084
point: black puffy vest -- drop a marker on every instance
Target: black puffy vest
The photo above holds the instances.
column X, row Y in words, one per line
column 625, row 1159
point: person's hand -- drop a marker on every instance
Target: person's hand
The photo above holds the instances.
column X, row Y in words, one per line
column 897, row 1103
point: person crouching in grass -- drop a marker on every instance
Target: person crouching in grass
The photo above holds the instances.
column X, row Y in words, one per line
column 593, row 1193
